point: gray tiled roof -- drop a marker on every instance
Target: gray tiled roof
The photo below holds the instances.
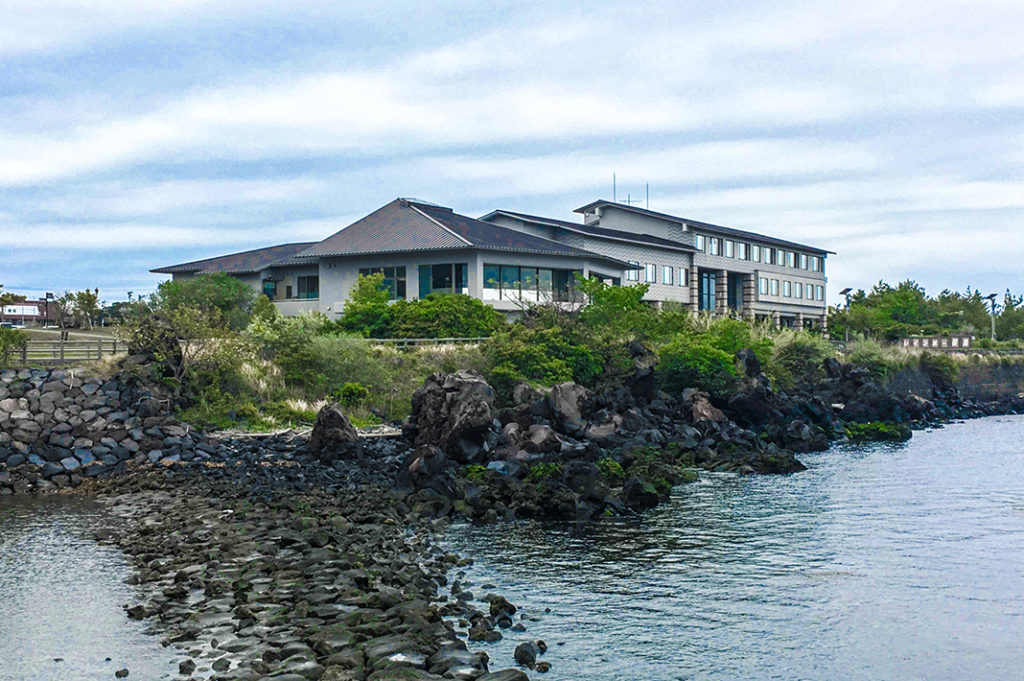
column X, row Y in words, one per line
column 597, row 232
column 240, row 263
column 706, row 226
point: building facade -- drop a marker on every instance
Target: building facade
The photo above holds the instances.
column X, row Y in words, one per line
column 510, row 259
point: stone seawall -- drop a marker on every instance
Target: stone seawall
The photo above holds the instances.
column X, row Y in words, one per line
column 985, row 381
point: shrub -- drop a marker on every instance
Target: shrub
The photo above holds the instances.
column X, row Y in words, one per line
column 449, row 315
column 231, row 297
column 367, row 311
column 544, row 356
column 799, row 357
column 11, row 340
column 689, row 363
column 941, row 369
column 542, row 471
column 870, row 355
column 351, row 394
column 611, row 469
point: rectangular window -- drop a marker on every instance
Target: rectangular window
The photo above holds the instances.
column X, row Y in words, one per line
column 270, row 289
column 706, row 291
column 684, row 276
column 799, row 290
column 394, row 279
column 787, row 289
column 821, row 292
column 741, row 251
column 667, row 273
column 730, row 249
column 633, row 274
column 791, row 258
column 775, row 287
column 803, row 261
column 309, row 287
column 650, row 273
column 714, row 244
column 814, row 263
column 763, row 284
column 755, row 253
column 769, row 256
column 699, row 242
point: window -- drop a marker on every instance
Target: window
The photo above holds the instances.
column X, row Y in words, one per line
column 803, row 261
column 706, row 291
column 667, row 272
column 755, row 253
column 741, row 251
column 699, row 242
column 684, row 276
column 814, row 263
column 714, row 245
column 730, row 248
column 769, row 256
column 799, row 290
column 394, row 279
column 309, row 287
column 787, row 289
column 650, row 273
column 763, row 286
column 633, row 274
column 532, row 284
column 791, row 258
column 270, row 289
column 775, row 287
column 821, row 292
column 443, row 278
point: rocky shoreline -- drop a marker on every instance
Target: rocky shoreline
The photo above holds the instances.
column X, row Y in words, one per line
column 291, row 557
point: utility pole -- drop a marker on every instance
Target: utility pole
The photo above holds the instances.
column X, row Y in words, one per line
column 991, row 298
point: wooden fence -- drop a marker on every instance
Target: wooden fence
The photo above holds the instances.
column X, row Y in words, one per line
column 67, row 351
column 414, row 342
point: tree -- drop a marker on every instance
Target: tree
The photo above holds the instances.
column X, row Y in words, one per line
column 231, row 297
column 8, row 298
column 444, row 315
column 86, row 305
column 367, row 311
column 63, row 306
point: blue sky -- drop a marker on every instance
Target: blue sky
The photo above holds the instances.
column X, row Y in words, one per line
column 134, row 135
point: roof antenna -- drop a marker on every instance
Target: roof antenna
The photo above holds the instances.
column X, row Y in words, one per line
column 630, row 201
column 613, row 188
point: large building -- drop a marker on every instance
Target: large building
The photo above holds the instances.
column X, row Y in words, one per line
column 509, row 259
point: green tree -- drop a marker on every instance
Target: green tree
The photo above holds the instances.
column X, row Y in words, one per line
column 85, row 307
column 9, row 298
column 367, row 311
column 229, row 296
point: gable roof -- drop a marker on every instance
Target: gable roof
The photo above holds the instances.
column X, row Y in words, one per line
column 243, row 262
column 597, row 232
column 706, row 226
column 413, row 225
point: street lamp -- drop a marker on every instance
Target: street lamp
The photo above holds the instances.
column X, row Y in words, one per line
column 991, row 298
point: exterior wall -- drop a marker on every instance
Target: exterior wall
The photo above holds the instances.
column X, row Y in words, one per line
column 611, row 217
column 659, row 291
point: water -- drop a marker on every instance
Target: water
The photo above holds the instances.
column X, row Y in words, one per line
column 61, row 596
column 882, row 562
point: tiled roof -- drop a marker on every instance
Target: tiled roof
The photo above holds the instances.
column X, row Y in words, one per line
column 240, row 263
column 598, row 232
column 413, row 225
column 705, row 226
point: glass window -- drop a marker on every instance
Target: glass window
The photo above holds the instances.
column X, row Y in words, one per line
column 769, row 256
column 545, row 281
column 706, row 291
column 650, row 273
column 441, row 278
column 730, row 248
column 763, row 284
column 821, row 292
column 741, row 251
column 799, row 290
column 509, row 279
column 270, row 289
column 755, row 253
column 803, row 261
column 714, row 245
column 528, row 278
column 791, row 258
column 308, row 287
column 667, row 273
column 787, row 289
column 699, row 242
column 633, row 274
column 491, row 276
column 684, row 276
column 814, row 263
column 775, row 287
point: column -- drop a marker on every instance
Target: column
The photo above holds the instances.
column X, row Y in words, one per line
column 776, row 319
column 823, row 323
column 722, row 292
column 694, row 290
column 799, row 320
column 749, row 295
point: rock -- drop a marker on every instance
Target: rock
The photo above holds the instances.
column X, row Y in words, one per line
column 456, row 413
column 526, row 654
column 424, row 468
column 541, row 440
column 566, row 401
column 702, row 409
column 333, row 435
column 121, row 673
column 639, row 495
column 505, row 675
column 748, row 362
column 186, row 668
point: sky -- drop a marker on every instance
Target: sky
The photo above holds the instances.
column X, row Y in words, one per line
column 140, row 134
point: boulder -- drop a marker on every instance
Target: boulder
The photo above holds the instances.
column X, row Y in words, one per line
column 702, row 409
column 456, row 413
column 749, row 364
column 333, row 435
column 639, row 495
column 566, row 401
column 424, row 468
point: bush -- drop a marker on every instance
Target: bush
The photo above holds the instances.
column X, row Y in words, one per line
column 449, row 315
column 872, row 356
column 799, row 357
column 367, row 311
column 11, row 341
column 941, row 369
column 351, row 394
column 542, row 471
column 231, row 297
column 544, row 356
column 689, row 363
column 611, row 470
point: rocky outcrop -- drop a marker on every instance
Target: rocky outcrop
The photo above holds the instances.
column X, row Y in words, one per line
column 333, row 435
column 455, row 412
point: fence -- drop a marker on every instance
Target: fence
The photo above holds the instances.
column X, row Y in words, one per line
column 67, row 351
column 414, row 342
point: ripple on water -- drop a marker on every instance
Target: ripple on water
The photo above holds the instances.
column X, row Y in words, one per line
column 880, row 562
column 61, row 596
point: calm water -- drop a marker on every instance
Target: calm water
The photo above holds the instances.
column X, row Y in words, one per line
column 886, row 562
column 61, row 596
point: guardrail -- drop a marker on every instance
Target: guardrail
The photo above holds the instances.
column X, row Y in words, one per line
column 67, row 351
column 414, row 342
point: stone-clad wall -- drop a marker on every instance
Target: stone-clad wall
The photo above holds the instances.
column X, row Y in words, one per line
column 71, row 426
column 988, row 380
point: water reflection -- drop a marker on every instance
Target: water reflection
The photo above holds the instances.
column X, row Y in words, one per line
column 884, row 562
column 61, row 598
